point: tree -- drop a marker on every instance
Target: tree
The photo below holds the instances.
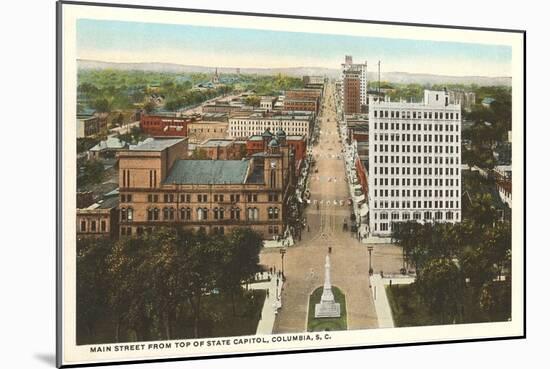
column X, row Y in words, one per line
column 91, row 172
column 149, row 106
column 91, row 264
column 198, row 269
column 240, row 259
column 441, row 286
column 103, row 104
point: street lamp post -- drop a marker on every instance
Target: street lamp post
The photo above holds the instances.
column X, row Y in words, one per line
column 283, row 252
column 370, row 248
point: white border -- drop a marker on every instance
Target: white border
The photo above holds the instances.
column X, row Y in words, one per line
column 73, row 354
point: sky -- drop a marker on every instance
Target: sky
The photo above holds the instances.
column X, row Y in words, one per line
column 133, row 42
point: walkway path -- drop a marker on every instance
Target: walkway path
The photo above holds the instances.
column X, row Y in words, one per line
column 271, row 304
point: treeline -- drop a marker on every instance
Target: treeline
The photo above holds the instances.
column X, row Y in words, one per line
column 273, row 85
column 457, row 260
column 150, row 286
column 182, row 99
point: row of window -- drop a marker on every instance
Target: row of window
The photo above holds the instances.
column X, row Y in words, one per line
column 415, row 137
column 394, row 159
column 415, row 182
column 93, row 226
column 415, row 193
column 415, row 171
column 169, row 213
column 416, row 204
column 437, row 149
column 415, row 115
column 416, row 127
column 203, row 198
column 438, row 215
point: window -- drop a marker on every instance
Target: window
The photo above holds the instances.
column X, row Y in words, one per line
column 83, row 226
column 93, row 226
column 103, row 226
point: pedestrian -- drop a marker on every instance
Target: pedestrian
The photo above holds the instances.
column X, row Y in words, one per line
column 267, row 292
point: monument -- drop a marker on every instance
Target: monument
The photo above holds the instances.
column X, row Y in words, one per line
column 327, row 308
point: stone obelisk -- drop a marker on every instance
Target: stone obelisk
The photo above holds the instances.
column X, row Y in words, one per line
column 327, row 308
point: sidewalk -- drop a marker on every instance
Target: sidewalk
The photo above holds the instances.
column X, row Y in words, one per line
column 289, row 241
column 271, row 304
column 381, row 303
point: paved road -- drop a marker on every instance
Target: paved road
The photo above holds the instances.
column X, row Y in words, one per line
column 304, row 263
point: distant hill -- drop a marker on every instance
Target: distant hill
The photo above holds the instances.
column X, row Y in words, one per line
column 396, row 77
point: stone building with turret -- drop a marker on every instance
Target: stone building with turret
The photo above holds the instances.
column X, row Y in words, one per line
column 159, row 186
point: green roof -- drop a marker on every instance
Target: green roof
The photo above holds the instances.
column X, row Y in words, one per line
column 208, row 172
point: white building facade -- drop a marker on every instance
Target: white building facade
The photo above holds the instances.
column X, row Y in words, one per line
column 243, row 127
column 414, row 162
column 362, row 69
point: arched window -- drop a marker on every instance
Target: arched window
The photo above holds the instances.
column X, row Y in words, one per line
column 276, row 213
column 123, row 214
column 200, row 214
column 156, row 212
column 222, row 210
column 165, row 214
column 215, row 210
column 270, row 213
column 150, row 214
column 205, row 212
column 130, row 214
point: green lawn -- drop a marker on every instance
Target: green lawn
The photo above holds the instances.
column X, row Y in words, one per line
column 409, row 310
column 327, row 324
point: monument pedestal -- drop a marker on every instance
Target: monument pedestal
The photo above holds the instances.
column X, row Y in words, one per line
column 327, row 310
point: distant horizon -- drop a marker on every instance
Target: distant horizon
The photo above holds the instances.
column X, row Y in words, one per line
column 291, row 67
column 141, row 42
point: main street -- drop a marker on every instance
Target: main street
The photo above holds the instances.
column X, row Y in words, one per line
column 304, row 262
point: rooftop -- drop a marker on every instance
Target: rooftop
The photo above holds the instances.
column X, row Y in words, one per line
column 216, row 142
column 156, row 144
column 109, row 143
column 208, row 172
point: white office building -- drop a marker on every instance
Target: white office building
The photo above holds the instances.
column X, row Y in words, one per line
column 362, row 68
column 414, row 162
column 300, row 123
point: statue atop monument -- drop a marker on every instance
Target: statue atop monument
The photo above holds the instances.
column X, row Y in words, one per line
column 327, row 308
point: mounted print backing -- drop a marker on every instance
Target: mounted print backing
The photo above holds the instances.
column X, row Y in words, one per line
column 240, row 184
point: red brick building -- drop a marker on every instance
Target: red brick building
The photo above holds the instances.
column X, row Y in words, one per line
column 162, row 125
column 300, row 104
column 352, row 92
